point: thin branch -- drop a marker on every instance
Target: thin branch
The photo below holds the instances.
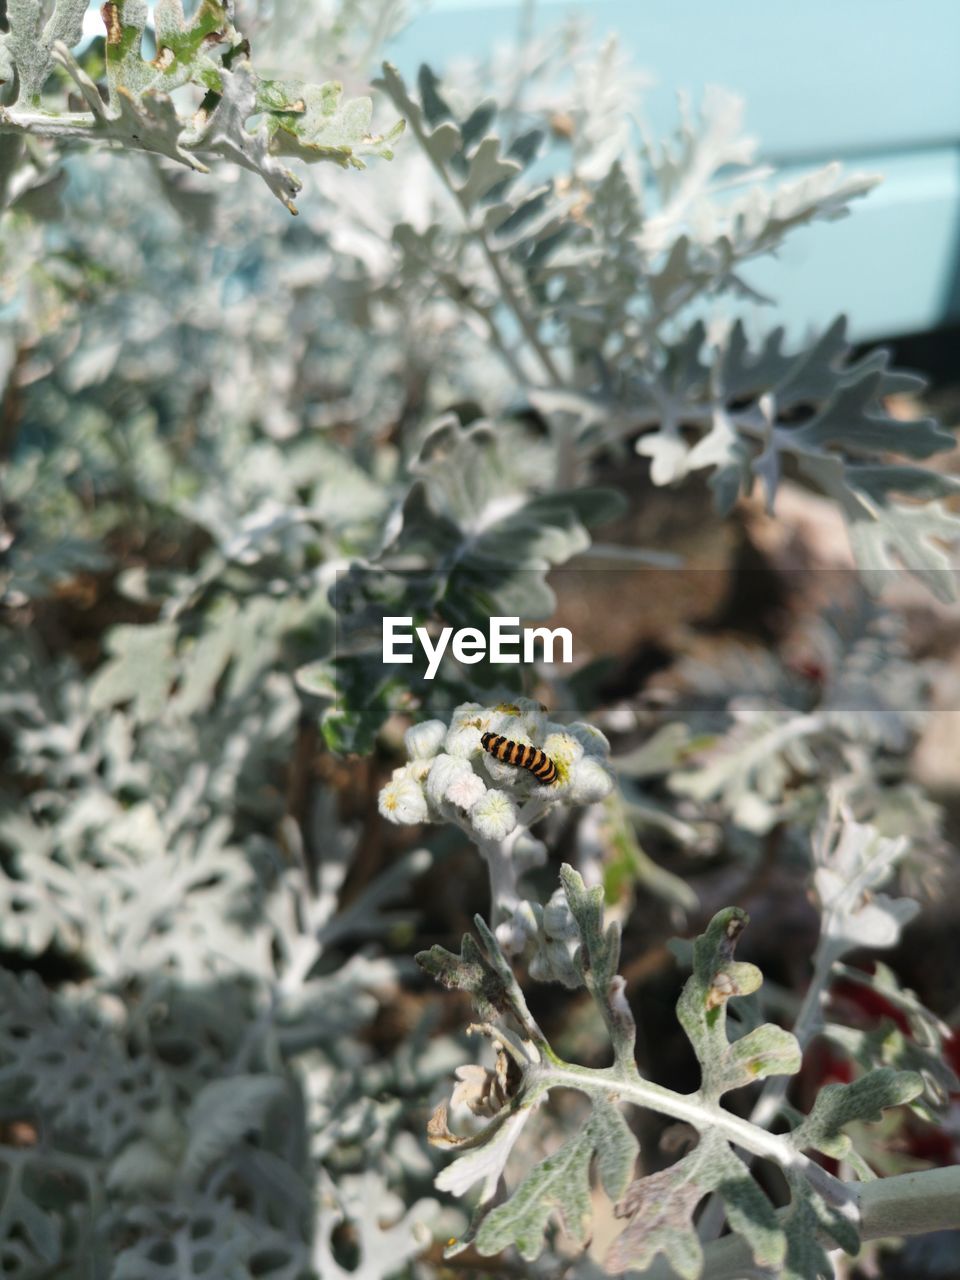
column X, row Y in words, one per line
column 498, row 855
column 694, row 1110
column 509, row 295
column 507, row 291
column 808, row 1022
column 68, row 124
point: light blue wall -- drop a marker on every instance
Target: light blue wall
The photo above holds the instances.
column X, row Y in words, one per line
column 872, row 82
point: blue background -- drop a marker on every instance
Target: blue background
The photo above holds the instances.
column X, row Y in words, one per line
column 874, row 83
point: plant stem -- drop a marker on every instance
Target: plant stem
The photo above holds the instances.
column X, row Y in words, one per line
column 498, row 855
column 487, row 319
column 69, row 124
column 498, row 340
column 694, row 1110
column 509, row 295
column 808, row 1023
column 507, row 291
column 504, row 895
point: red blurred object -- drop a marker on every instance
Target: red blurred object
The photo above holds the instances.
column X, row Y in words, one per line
column 871, row 1005
column 863, row 1007
column 951, row 1047
column 809, row 669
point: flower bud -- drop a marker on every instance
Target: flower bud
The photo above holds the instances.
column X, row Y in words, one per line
column 590, row 781
column 402, row 801
column 494, row 816
column 558, row 921
column 423, row 741
column 594, row 743
column 445, row 771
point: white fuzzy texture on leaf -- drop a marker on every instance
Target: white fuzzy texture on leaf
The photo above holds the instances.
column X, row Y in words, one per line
column 742, row 401
column 486, row 1162
column 851, row 869
column 221, row 1116
column 561, row 1184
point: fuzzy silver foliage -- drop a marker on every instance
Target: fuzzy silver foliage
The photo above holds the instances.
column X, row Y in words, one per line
column 232, row 444
column 659, row 1207
column 204, row 53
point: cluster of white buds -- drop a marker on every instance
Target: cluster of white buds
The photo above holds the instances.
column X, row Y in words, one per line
column 548, row 936
column 451, row 778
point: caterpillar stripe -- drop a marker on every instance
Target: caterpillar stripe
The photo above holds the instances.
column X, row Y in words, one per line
column 521, row 756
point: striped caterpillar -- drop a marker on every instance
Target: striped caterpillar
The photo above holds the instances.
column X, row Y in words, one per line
column 521, row 756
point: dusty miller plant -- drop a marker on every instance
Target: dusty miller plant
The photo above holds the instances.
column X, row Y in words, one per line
column 204, row 53
column 220, row 470
column 567, row 941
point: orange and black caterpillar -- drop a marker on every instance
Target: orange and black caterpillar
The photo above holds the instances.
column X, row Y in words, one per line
column 522, row 756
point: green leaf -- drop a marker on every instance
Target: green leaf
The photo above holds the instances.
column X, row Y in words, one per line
column 561, row 1184
column 353, row 697
column 921, row 1049
column 471, row 156
column 310, row 122
column 27, row 47
column 748, row 769
column 660, row 1207
column 837, row 1105
column 661, row 1210
column 28, row 1229
column 461, row 552
column 182, row 46
column 843, row 447
column 204, row 663
column 141, row 1169
column 851, row 868
column 494, row 540
column 702, row 1010
column 486, row 1153
column 140, row 669
column 484, row 973
column 380, row 1250
column 208, row 1236
column 807, row 1259
column 56, row 1062
column 888, row 537
column 324, row 127
column 658, row 755
column 433, row 127
column 221, row 1116
column 628, row 864
column 521, row 224
column 597, row 959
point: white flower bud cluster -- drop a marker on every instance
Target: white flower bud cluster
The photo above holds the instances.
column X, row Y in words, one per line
column 548, row 937
column 450, row 778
